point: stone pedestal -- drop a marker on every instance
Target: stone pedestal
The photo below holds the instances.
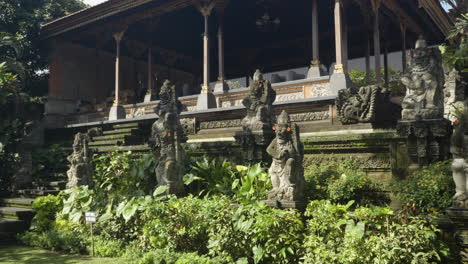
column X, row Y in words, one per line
column 147, row 98
column 221, row 87
column 427, row 140
column 284, row 205
column 117, row 112
column 206, row 101
column 338, row 81
column 459, row 218
column 254, row 144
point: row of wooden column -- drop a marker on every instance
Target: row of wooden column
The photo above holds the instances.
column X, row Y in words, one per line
column 339, row 79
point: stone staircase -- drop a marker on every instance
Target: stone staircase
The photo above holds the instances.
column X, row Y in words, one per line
column 124, row 137
column 15, row 216
column 16, row 213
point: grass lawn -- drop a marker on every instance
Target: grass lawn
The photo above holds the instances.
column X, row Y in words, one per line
column 14, row 254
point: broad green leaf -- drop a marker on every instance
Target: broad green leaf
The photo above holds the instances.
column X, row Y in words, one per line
column 160, row 190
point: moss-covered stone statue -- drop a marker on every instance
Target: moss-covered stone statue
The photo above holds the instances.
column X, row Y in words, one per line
column 257, row 125
column 166, row 138
column 459, row 149
column 81, row 167
column 286, row 171
column 424, row 83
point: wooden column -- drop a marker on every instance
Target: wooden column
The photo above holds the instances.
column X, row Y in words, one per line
column 344, row 29
column 206, row 100
column 221, row 85
column 375, row 8
column 150, row 70
column 368, row 52
column 386, row 64
column 314, row 70
column 117, row 111
column 315, row 32
column 338, row 38
column 403, row 44
column 339, row 79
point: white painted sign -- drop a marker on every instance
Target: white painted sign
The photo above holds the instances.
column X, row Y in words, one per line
column 90, row 217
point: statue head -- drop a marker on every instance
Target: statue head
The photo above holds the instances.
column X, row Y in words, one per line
column 79, row 142
column 421, row 54
column 258, row 76
column 283, row 128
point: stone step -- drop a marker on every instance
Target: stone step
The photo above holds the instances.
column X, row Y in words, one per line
column 16, row 213
column 16, row 202
column 34, row 193
column 128, row 125
column 9, row 226
column 107, row 143
column 136, row 148
column 110, row 137
column 126, row 131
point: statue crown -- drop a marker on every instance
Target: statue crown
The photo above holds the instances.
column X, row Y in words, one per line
column 283, row 118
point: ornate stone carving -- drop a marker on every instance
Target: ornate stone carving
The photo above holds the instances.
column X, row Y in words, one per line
column 310, row 116
column 286, row 171
column 259, row 104
column 427, row 140
column 424, row 83
column 166, row 138
column 221, row 124
column 459, row 150
column 81, row 168
column 257, row 124
column 454, row 94
column 368, row 104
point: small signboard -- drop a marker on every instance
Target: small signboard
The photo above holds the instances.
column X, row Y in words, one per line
column 90, row 217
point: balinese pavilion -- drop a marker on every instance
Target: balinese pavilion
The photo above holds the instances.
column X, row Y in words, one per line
column 108, row 62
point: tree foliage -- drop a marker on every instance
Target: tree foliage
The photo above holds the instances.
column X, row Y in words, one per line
column 20, row 22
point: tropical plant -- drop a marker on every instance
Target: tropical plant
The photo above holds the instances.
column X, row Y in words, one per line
column 369, row 235
column 45, row 209
column 253, row 184
column 211, row 176
column 428, row 190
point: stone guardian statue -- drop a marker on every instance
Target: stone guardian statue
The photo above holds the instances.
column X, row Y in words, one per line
column 459, row 150
column 257, row 125
column 286, row 171
column 166, row 138
column 81, row 167
column 424, row 83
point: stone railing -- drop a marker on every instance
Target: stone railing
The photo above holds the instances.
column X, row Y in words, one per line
column 285, row 91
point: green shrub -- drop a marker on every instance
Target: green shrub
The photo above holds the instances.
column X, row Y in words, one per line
column 369, row 235
column 182, row 224
column 45, row 208
column 257, row 233
column 211, row 177
column 106, row 247
column 428, row 190
column 342, row 183
column 124, row 175
column 68, row 241
column 165, row 257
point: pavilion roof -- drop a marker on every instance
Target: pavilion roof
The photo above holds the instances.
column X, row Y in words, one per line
column 139, row 9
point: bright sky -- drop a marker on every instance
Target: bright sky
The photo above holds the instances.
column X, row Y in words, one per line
column 93, row 2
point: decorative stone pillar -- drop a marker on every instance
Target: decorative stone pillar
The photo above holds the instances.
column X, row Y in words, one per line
column 117, row 111
column 221, row 85
column 206, row 99
column 339, row 79
column 315, row 70
column 375, row 9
